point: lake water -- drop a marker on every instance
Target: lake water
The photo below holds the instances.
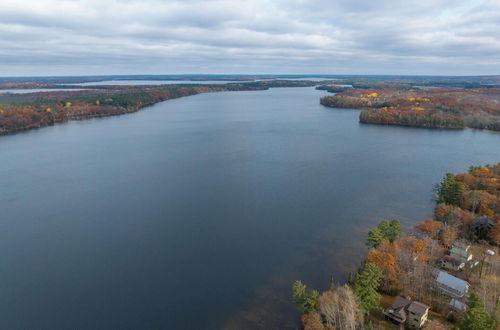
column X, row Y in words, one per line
column 199, row 212
column 37, row 90
column 170, row 82
column 152, row 82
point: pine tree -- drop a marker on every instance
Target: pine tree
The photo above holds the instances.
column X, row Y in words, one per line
column 375, row 237
column 305, row 301
column 450, row 191
column 365, row 287
column 476, row 317
column 392, row 230
column 385, row 231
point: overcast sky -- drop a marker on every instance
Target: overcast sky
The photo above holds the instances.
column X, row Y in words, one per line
column 64, row 37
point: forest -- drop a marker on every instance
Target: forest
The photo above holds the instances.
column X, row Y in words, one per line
column 467, row 215
column 431, row 107
column 34, row 110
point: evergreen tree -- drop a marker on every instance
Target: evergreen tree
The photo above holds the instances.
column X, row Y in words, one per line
column 450, row 191
column 375, row 237
column 391, row 230
column 385, row 231
column 305, row 301
column 476, row 317
column 365, row 287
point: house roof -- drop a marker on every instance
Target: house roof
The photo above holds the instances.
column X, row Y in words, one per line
column 400, row 302
column 458, row 305
column 418, row 308
column 459, row 252
column 461, row 245
column 453, row 260
column 398, row 307
column 452, row 282
column 483, row 221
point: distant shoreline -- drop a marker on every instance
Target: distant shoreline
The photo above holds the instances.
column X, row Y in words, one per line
column 32, row 110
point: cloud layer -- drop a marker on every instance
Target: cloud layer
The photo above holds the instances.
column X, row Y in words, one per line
column 63, row 37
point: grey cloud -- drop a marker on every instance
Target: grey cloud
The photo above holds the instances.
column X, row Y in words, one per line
column 282, row 36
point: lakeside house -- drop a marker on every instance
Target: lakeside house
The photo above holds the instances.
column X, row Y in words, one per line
column 451, row 285
column 458, row 305
column 460, row 250
column 452, row 263
column 463, row 245
column 404, row 311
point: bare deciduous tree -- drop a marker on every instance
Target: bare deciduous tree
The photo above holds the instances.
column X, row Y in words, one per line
column 340, row 308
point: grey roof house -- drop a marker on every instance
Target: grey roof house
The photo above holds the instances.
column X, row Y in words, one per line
column 404, row 311
column 451, row 285
column 458, row 305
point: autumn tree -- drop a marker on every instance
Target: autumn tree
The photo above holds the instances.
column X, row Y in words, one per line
column 312, row 321
column 495, row 233
column 431, row 227
column 448, row 235
column 412, row 256
column 444, row 213
column 472, row 200
column 387, row 263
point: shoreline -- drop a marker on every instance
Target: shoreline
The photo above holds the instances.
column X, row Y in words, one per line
column 33, row 112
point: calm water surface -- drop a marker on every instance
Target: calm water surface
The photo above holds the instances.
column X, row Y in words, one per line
column 151, row 82
column 37, row 90
column 199, row 212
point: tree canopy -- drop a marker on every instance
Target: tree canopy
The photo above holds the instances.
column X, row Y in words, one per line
column 365, row 286
column 306, row 301
column 476, row 317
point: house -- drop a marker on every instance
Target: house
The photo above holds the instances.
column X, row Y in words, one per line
column 406, row 311
column 397, row 312
column 452, row 263
column 417, row 314
column 462, row 245
column 457, row 305
column 482, row 226
column 451, row 285
column 461, row 251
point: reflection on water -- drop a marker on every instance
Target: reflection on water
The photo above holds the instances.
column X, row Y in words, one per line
column 151, row 82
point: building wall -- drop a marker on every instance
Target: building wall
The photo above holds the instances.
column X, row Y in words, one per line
column 417, row 320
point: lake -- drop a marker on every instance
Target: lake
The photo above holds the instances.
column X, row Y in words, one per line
column 199, row 212
column 151, row 82
column 38, row 90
